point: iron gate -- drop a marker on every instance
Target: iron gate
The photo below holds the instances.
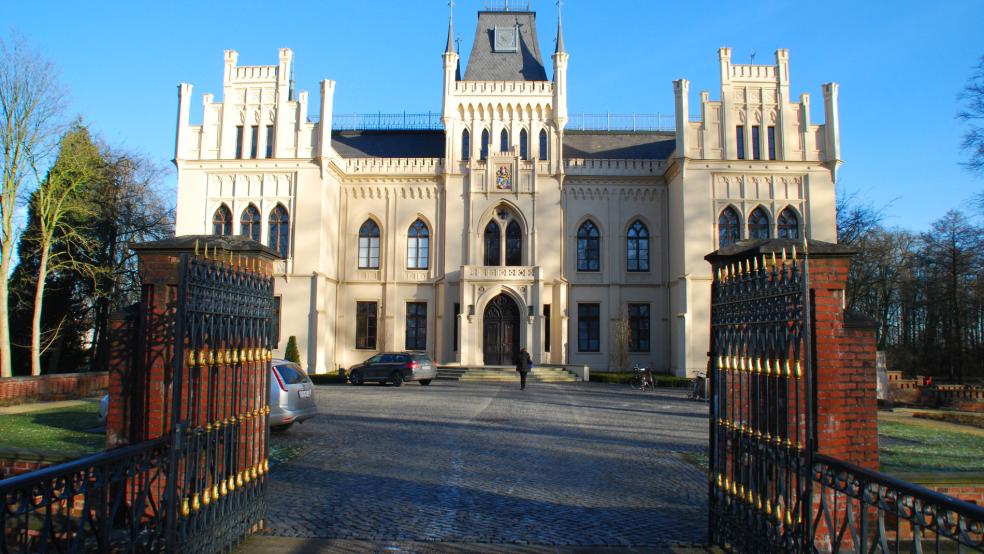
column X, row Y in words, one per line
column 219, row 416
column 200, row 486
column 762, row 427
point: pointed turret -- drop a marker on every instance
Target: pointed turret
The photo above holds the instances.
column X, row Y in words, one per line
column 560, row 76
column 560, row 32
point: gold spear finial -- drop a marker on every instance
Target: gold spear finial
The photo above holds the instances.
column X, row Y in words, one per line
column 196, row 247
column 794, row 252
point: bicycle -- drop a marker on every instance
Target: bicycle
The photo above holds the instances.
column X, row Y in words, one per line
column 643, row 379
column 698, row 388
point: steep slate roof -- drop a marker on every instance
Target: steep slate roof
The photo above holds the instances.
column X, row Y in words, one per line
column 525, row 64
column 617, row 145
column 388, row 144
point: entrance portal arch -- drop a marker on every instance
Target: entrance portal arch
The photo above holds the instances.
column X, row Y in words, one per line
column 500, row 331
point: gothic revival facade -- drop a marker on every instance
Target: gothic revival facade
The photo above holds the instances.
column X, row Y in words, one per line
column 501, row 226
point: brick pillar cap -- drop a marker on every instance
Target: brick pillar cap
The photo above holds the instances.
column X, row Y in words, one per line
column 748, row 248
column 186, row 243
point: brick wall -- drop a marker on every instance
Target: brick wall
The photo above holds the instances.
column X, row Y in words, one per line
column 16, row 390
column 15, row 462
column 845, row 346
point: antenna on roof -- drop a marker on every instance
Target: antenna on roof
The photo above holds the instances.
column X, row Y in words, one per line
column 752, row 60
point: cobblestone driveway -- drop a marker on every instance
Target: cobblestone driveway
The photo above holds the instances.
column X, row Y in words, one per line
column 556, row 464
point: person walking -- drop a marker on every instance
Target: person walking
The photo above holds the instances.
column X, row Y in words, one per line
column 523, row 365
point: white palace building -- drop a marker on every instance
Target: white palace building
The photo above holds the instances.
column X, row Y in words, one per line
column 504, row 222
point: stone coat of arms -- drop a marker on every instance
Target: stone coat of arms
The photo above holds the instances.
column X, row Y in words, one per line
column 503, row 178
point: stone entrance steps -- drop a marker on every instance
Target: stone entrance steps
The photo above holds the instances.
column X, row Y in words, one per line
column 505, row 374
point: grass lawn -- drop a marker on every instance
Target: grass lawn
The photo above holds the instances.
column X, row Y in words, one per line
column 915, row 448
column 57, row 430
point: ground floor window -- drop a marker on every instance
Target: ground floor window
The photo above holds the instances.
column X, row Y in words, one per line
column 546, row 327
column 365, row 325
column 416, row 326
column 639, row 327
column 457, row 312
column 276, row 321
column 588, row 327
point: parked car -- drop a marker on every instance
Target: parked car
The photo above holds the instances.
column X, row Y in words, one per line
column 291, row 395
column 394, row 368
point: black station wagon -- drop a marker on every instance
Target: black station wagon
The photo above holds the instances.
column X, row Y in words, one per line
column 394, row 368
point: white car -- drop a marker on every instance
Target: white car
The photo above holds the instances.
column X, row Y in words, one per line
column 103, row 409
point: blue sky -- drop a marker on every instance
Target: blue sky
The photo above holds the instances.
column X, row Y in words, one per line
column 900, row 66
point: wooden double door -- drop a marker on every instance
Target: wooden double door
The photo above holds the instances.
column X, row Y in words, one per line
column 501, row 331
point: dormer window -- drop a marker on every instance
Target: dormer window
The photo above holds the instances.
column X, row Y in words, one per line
column 505, row 39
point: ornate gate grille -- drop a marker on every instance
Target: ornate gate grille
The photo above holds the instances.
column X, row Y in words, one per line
column 219, row 415
column 200, row 486
column 762, row 427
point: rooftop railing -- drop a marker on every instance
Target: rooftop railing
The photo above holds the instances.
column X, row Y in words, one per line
column 432, row 121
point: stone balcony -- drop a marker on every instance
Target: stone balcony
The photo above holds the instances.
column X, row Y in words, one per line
column 501, row 274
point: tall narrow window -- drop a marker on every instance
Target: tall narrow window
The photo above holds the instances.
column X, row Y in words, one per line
column 276, row 321
column 254, row 141
column 465, row 145
column 279, row 230
column 639, row 327
column 588, row 328
column 740, row 141
column 418, row 246
column 728, row 231
column 788, row 224
column 416, row 326
column 544, row 155
column 637, row 246
column 249, row 223
column 758, row 224
column 493, row 237
column 222, row 221
column 756, row 146
column 269, row 141
column 772, row 142
column 457, row 325
column 485, row 145
column 365, row 325
column 546, row 327
column 369, row 245
column 514, row 244
column 523, row 145
column 588, row 247
column 503, row 141
column 239, row 141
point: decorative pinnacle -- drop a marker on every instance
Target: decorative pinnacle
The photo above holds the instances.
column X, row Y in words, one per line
column 560, row 28
column 450, row 46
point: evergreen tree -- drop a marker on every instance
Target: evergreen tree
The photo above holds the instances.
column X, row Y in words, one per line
column 291, row 354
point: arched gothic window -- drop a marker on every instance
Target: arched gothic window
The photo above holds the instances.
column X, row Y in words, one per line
column 514, row 244
column 637, row 246
column 758, row 224
column 503, row 141
column 465, row 145
column 279, row 230
column 728, row 231
column 788, row 224
column 485, row 145
column 588, row 247
column 222, row 221
column 493, row 241
column 249, row 223
column 523, row 145
column 418, row 246
column 369, row 245
column 543, row 145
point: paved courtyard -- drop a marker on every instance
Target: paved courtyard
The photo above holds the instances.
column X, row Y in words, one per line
column 581, row 464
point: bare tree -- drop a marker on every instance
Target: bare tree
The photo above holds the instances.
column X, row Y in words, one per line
column 30, row 108
column 621, row 340
column 973, row 113
column 60, row 205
